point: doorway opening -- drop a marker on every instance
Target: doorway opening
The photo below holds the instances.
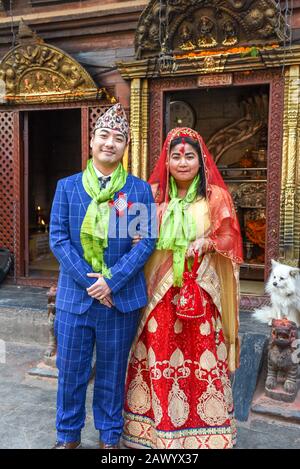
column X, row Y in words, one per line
column 234, row 124
column 52, row 150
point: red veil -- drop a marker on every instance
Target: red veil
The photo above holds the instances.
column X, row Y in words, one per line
column 225, row 231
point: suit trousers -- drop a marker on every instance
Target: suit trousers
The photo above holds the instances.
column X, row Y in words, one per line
column 112, row 333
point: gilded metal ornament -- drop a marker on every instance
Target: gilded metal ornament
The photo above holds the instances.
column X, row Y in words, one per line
column 35, row 72
column 199, row 25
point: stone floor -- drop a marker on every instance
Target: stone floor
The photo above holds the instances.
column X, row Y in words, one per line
column 27, row 410
column 27, row 404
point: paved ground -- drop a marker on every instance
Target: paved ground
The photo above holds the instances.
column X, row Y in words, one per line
column 27, row 404
column 27, row 410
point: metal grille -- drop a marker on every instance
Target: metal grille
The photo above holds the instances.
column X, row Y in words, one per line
column 6, row 180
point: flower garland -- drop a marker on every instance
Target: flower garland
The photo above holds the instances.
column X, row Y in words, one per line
column 244, row 51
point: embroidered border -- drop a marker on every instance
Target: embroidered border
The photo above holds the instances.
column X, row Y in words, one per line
column 208, row 437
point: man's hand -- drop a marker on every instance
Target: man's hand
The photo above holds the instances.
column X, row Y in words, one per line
column 100, row 290
column 107, row 301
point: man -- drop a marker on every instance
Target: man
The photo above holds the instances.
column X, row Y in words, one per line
column 101, row 284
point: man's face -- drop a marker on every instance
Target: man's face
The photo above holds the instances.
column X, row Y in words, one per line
column 108, row 147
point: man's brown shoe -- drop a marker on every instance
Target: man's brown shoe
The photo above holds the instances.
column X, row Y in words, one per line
column 70, row 445
column 108, row 446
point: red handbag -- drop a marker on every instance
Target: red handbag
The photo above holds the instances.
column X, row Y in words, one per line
column 190, row 302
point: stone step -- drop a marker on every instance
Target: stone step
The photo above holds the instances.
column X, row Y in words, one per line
column 289, row 412
column 24, row 325
column 23, row 314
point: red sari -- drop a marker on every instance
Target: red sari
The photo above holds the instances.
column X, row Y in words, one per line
column 178, row 392
column 178, row 389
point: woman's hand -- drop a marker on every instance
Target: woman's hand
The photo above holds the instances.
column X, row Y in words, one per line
column 136, row 239
column 201, row 245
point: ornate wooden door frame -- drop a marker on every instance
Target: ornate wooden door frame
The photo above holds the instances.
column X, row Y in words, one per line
column 275, row 80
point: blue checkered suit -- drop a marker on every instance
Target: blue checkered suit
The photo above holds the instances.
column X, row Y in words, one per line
column 81, row 321
column 127, row 282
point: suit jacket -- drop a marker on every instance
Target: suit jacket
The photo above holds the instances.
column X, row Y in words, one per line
column 126, row 262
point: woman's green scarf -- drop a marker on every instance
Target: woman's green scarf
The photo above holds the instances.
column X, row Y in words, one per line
column 94, row 228
column 178, row 227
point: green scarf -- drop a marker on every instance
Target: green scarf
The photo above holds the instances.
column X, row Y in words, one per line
column 178, row 227
column 94, row 228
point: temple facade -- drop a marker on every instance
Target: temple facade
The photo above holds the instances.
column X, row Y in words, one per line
column 230, row 69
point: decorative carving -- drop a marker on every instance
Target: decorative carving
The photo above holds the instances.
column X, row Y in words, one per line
column 290, row 195
column 186, row 36
column 145, row 128
column 215, row 64
column 37, row 72
column 230, row 33
column 206, row 81
column 250, row 195
column 7, row 170
column 255, row 118
column 135, row 126
column 281, row 366
column 207, row 32
column 199, row 24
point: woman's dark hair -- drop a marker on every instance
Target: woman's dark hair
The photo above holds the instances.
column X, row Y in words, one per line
column 196, row 146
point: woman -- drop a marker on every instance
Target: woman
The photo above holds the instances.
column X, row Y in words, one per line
column 178, row 392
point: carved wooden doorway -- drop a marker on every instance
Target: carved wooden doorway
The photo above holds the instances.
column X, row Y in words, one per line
column 52, row 150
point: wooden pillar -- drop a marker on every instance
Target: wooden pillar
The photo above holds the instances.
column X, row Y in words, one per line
column 290, row 182
column 139, row 114
column 135, row 126
column 145, row 129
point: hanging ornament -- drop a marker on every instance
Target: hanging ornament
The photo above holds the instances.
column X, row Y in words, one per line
column 284, row 21
column 166, row 62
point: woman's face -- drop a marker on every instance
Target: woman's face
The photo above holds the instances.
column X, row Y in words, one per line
column 184, row 162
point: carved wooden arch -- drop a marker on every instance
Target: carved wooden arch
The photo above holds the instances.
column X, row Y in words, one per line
column 36, row 72
column 203, row 24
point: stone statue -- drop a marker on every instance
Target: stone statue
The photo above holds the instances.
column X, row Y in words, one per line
column 186, row 37
column 282, row 365
column 230, row 33
column 206, row 29
column 51, row 349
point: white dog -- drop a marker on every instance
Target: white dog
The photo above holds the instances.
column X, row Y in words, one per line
column 283, row 287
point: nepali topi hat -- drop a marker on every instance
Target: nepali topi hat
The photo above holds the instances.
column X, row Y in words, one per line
column 114, row 118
